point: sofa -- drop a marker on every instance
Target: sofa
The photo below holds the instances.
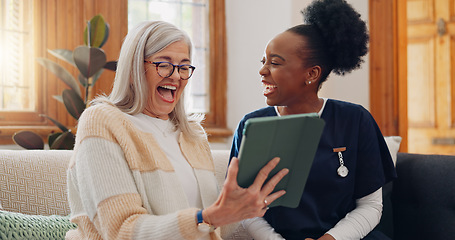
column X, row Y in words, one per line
column 420, row 204
column 33, row 200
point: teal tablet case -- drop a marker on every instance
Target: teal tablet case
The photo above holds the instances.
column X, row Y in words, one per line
column 293, row 138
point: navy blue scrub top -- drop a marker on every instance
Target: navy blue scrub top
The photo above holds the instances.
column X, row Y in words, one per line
column 327, row 197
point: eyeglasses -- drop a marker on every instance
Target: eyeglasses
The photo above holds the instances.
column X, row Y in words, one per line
column 166, row 69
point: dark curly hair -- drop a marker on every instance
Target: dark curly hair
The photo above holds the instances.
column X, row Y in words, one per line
column 335, row 37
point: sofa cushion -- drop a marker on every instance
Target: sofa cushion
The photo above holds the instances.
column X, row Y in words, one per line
column 220, row 159
column 22, row 226
column 423, row 197
column 34, row 181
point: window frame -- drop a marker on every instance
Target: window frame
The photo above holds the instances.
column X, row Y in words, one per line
column 14, row 121
column 215, row 121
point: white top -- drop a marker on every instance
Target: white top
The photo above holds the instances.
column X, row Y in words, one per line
column 319, row 113
column 167, row 138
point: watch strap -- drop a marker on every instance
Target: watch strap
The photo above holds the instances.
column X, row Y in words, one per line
column 202, row 225
column 199, row 217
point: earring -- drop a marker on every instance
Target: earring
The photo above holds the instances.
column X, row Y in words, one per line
column 309, row 82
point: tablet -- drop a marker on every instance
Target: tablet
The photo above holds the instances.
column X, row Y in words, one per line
column 293, row 138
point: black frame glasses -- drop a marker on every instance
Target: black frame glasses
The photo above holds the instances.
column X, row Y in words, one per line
column 162, row 69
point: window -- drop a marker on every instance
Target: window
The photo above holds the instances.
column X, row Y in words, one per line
column 203, row 20
column 56, row 25
column 17, row 88
column 191, row 16
column 48, row 25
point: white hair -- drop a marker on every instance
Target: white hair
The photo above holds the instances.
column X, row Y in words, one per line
column 130, row 92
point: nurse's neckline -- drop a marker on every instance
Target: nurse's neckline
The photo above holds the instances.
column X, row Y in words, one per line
column 307, row 108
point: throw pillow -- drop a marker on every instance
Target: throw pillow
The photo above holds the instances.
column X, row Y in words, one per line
column 22, row 226
column 393, row 143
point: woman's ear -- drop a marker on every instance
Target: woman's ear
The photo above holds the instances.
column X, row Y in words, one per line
column 314, row 73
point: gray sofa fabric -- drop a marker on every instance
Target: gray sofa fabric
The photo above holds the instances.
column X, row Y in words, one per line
column 420, row 203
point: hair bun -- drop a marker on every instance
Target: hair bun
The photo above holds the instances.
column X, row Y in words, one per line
column 344, row 32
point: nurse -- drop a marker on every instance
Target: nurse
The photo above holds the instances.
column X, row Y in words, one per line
column 343, row 194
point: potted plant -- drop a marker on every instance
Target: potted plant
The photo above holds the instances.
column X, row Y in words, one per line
column 90, row 60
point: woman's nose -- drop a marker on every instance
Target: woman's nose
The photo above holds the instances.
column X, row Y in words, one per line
column 263, row 70
column 175, row 75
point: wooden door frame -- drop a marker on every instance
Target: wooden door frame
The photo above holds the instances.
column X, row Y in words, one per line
column 388, row 67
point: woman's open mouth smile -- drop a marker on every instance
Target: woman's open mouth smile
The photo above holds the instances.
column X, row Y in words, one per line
column 268, row 88
column 167, row 92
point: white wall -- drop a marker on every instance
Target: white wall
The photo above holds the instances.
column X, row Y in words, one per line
column 354, row 87
column 250, row 25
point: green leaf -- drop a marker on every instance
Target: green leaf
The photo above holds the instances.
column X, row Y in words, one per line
column 63, row 54
column 28, row 140
column 83, row 80
column 66, row 140
column 111, row 65
column 73, row 103
column 61, row 73
column 57, row 123
column 106, row 34
column 51, row 138
column 98, row 32
column 89, row 60
column 96, row 77
column 58, row 98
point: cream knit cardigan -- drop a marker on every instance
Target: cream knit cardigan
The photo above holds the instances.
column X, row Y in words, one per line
column 122, row 186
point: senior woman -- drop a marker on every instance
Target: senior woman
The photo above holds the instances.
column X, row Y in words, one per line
column 141, row 168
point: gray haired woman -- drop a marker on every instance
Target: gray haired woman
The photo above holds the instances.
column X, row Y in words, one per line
column 142, row 169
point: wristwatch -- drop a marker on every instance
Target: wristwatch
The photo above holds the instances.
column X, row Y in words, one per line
column 202, row 225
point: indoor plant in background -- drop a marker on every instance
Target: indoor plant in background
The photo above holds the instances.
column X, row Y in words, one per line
column 90, row 60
